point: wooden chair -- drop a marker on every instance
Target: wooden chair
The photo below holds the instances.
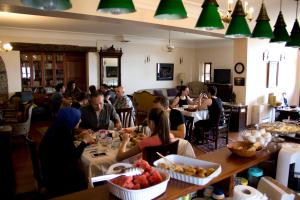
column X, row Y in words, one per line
column 150, row 155
column 221, row 131
column 189, row 123
column 22, row 127
column 143, row 102
column 125, row 115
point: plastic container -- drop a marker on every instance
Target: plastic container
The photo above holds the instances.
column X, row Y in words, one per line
column 254, row 175
column 240, row 181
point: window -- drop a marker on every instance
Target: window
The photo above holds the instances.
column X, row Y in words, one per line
column 25, row 71
column 207, row 72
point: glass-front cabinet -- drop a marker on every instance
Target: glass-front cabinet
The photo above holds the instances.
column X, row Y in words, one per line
column 42, row 69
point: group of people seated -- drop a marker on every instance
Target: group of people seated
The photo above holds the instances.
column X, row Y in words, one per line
column 95, row 111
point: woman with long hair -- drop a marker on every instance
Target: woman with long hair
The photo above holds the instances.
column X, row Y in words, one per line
column 158, row 123
column 182, row 98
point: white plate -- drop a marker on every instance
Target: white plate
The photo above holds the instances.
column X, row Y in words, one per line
column 192, row 162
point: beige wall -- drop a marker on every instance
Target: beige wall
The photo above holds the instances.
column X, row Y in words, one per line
column 221, row 57
column 257, row 92
column 12, row 65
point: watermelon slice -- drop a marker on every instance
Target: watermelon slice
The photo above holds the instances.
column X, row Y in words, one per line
column 142, row 180
column 155, row 177
column 143, row 164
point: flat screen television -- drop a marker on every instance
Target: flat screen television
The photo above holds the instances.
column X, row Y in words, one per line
column 222, row 76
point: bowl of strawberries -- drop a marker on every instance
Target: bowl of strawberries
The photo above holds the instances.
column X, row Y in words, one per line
column 148, row 185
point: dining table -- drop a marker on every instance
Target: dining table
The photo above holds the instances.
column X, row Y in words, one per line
column 96, row 158
column 197, row 114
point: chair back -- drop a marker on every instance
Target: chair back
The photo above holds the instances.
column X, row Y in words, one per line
column 143, row 102
column 150, row 155
column 225, row 119
column 35, row 161
column 125, row 115
column 23, row 128
column 189, row 122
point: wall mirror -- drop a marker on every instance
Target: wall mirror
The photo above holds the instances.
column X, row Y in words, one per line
column 110, row 66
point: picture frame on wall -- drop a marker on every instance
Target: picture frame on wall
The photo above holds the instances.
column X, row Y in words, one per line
column 164, row 71
column 272, row 74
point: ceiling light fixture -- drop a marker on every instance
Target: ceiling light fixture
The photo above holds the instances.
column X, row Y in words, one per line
column 116, row 7
column 295, row 34
column 6, row 46
column 226, row 18
column 280, row 32
column 262, row 29
column 238, row 27
column 209, row 18
column 170, row 9
column 48, row 4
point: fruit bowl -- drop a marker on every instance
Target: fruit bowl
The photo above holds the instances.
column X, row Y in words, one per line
column 244, row 148
column 145, row 194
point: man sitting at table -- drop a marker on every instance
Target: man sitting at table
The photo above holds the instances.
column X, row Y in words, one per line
column 177, row 124
column 122, row 100
column 215, row 109
column 98, row 114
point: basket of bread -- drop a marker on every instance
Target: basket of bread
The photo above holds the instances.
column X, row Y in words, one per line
column 244, row 148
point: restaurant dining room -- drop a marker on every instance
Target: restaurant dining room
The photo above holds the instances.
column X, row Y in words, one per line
column 139, row 99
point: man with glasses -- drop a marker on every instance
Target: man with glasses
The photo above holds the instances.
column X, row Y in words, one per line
column 98, row 114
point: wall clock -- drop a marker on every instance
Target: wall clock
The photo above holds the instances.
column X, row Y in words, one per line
column 239, row 68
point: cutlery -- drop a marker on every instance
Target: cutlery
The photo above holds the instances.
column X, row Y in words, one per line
column 166, row 159
column 132, row 171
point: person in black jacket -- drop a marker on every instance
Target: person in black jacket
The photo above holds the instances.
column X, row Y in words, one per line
column 59, row 156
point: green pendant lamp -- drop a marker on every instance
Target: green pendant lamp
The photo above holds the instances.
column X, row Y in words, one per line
column 280, row 32
column 262, row 29
column 295, row 34
column 170, row 9
column 238, row 27
column 209, row 18
column 48, row 4
column 116, row 7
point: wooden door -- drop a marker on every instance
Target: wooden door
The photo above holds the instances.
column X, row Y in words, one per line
column 76, row 69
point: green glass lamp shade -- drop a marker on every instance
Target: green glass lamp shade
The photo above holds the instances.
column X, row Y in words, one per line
column 209, row 18
column 48, row 4
column 263, row 28
column 295, row 36
column 170, row 9
column 238, row 27
column 116, row 7
column 280, row 32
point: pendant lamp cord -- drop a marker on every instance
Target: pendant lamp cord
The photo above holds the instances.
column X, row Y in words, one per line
column 280, row 4
column 297, row 9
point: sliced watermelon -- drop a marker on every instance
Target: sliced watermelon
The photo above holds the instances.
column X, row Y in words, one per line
column 142, row 180
column 136, row 186
column 143, row 164
column 155, row 177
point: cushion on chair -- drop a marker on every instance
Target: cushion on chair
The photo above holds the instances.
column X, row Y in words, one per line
column 171, row 92
column 158, row 92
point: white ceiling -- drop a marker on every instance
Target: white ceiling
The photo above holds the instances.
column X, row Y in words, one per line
column 82, row 17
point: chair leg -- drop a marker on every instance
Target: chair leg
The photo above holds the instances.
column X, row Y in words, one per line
column 216, row 138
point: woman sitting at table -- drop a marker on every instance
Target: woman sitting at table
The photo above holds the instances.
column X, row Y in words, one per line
column 215, row 109
column 158, row 123
column 59, row 156
column 182, row 98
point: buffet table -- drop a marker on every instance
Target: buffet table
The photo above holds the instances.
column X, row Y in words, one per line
column 230, row 165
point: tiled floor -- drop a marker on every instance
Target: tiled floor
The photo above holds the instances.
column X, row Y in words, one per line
column 25, row 183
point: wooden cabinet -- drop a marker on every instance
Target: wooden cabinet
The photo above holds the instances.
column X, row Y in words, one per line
column 238, row 118
column 42, row 69
column 46, row 69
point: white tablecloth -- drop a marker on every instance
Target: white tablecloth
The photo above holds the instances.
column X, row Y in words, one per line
column 95, row 166
column 198, row 115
